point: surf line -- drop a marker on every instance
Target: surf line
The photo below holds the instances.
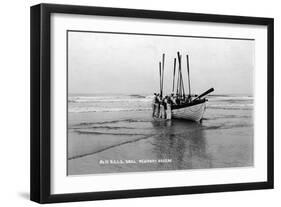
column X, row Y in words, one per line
column 108, row 122
column 106, row 133
column 110, row 147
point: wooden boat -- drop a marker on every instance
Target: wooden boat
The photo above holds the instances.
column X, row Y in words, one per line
column 192, row 111
column 192, row 108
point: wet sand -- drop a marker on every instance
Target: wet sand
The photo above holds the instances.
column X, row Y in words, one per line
column 114, row 142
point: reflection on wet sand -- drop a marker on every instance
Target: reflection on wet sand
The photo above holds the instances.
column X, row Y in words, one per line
column 186, row 148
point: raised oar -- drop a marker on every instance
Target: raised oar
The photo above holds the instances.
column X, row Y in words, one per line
column 182, row 84
column 175, row 63
column 188, row 75
column 160, row 79
column 163, row 60
column 205, row 93
column 178, row 81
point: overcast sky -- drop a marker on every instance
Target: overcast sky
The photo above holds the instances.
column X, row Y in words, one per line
column 129, row 64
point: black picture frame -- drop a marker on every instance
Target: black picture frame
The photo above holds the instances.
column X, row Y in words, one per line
column 41, row 102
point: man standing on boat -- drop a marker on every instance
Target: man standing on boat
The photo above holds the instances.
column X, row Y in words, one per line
column 177, row 99
column 188, row 99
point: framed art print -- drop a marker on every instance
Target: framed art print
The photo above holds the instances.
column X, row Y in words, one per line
column 132, row 103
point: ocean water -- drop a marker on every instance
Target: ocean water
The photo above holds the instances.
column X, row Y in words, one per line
column 107, row 103
column 118, row 128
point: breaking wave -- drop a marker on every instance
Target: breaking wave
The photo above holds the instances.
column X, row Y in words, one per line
column 139, row 102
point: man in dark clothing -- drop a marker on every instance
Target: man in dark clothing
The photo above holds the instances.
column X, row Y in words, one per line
column 155, row 102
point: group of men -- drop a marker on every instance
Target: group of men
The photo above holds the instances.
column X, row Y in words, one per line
column 162, row 107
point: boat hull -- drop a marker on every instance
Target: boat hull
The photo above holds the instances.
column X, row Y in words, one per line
column 192, row 113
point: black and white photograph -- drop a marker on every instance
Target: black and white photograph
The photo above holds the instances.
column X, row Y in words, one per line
column 129, row 103
column 139, row 102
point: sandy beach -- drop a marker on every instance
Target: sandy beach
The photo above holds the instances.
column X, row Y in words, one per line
column 132, row 141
